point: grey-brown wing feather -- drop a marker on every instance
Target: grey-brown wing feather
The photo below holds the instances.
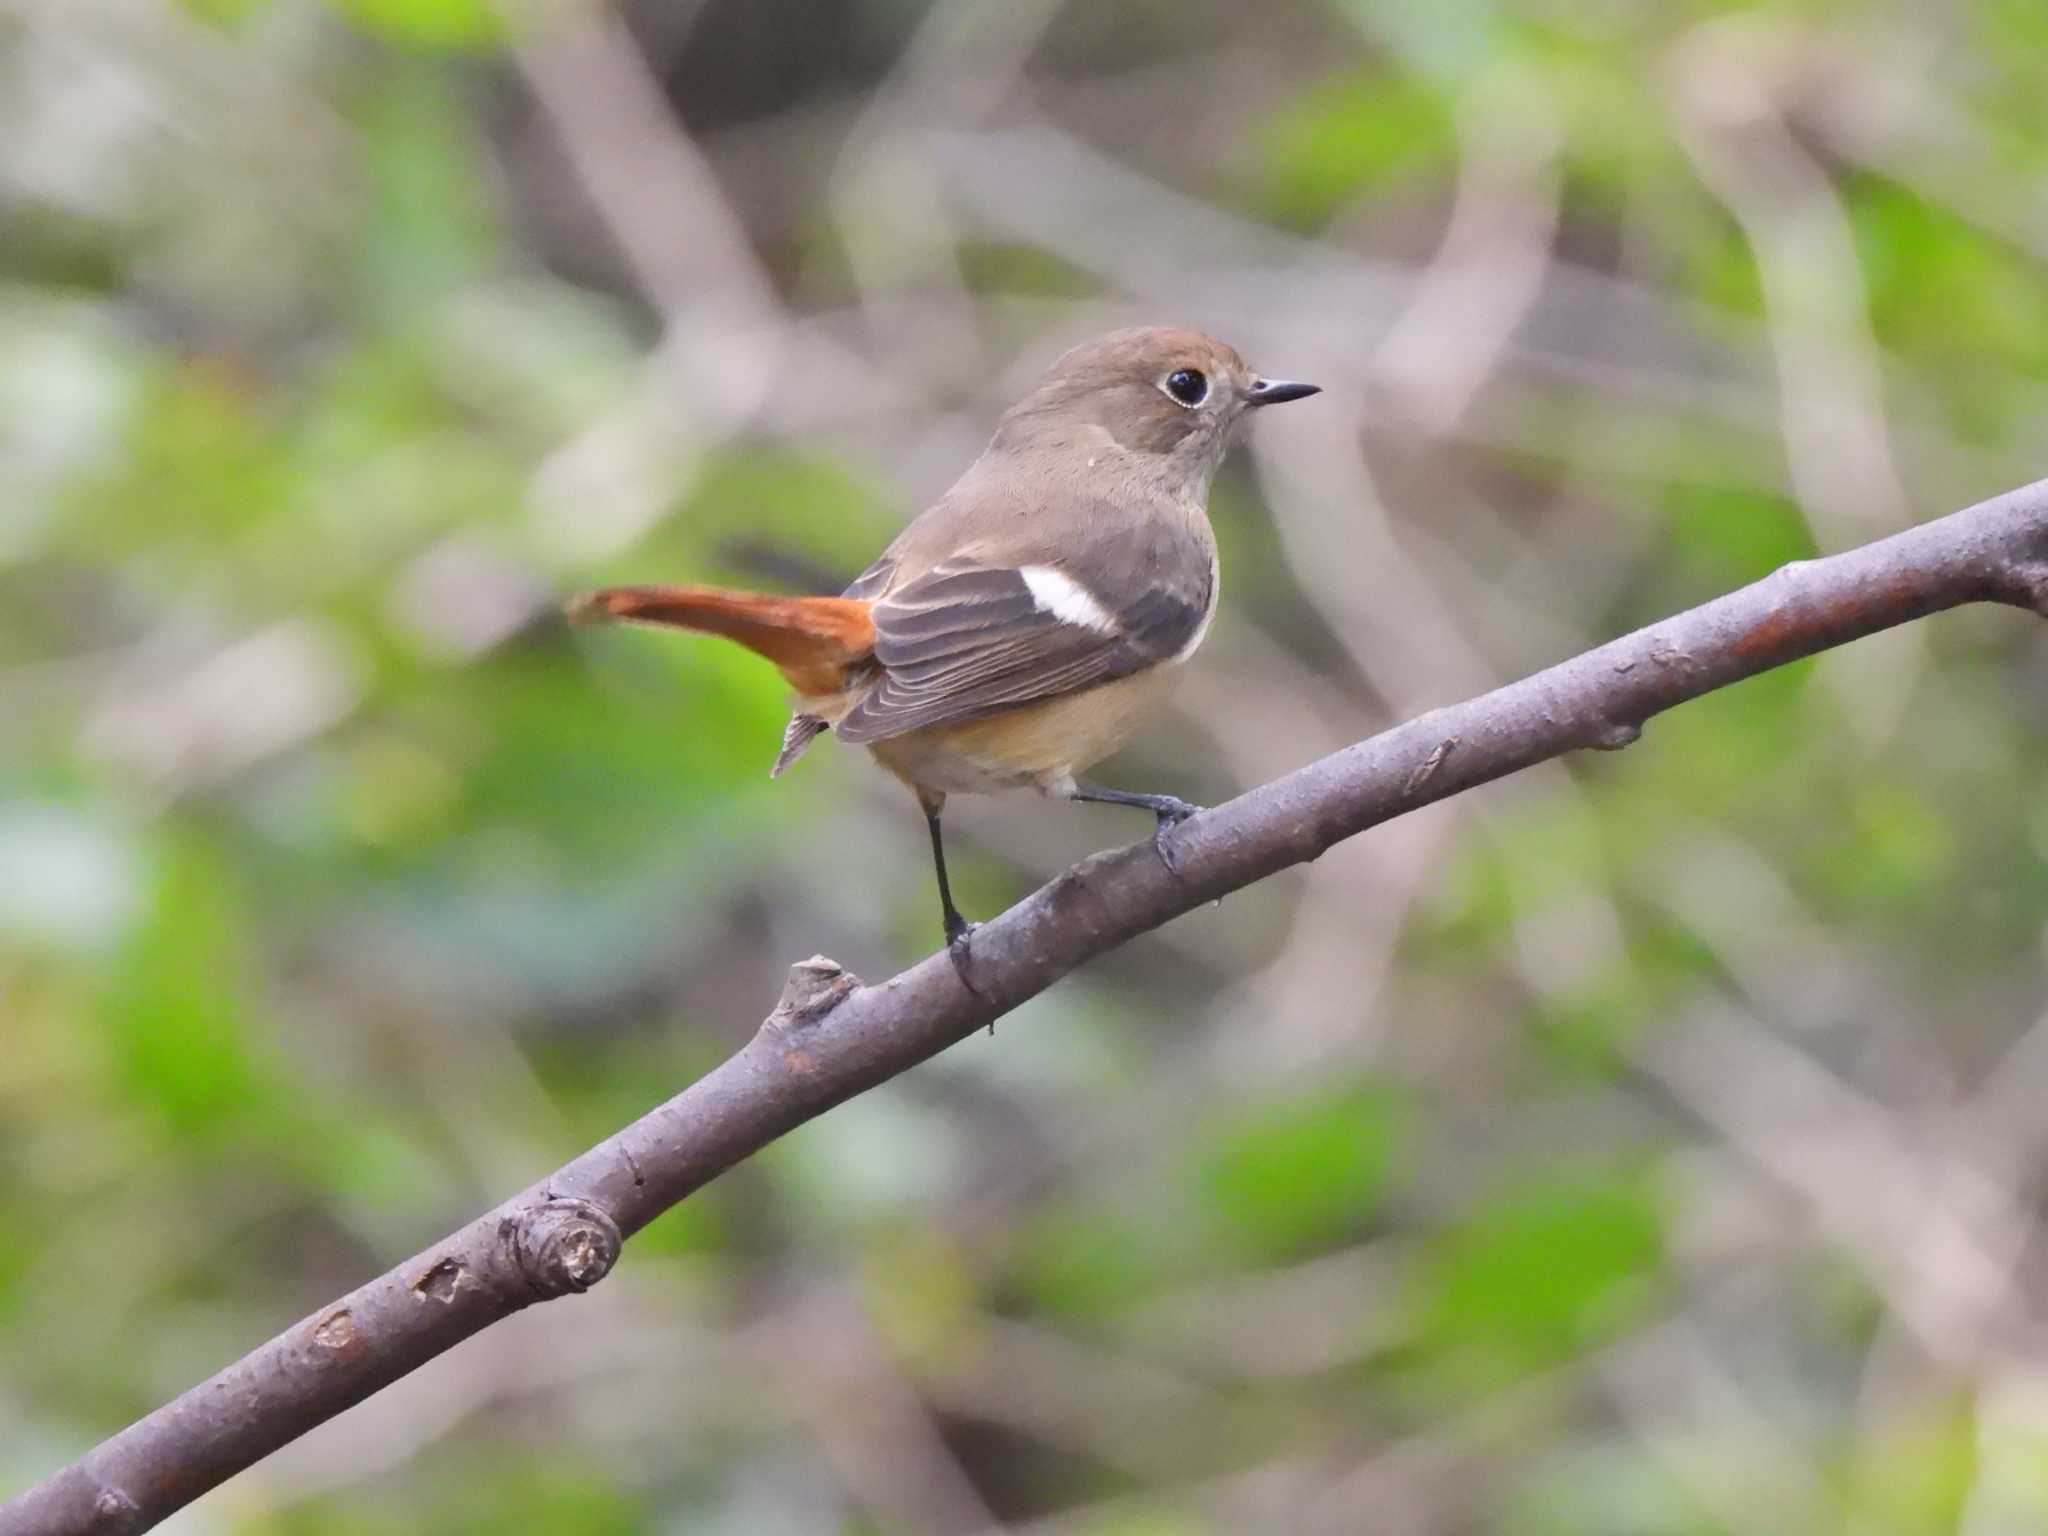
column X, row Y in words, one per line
column 965, row 640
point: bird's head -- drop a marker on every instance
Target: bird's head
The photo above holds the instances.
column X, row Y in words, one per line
column 1152, row 390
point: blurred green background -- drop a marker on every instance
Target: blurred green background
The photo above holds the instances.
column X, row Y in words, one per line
column 1650, row 1144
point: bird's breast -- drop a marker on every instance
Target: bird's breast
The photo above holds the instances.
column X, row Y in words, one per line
column 1037, row 744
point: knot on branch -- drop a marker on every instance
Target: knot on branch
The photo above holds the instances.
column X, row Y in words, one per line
column 1428, row 767
column 114, row 1513
column 2024, row 584
column 563, row 1245
column 338, row 1340
column 1613, row 735
column 815, row 987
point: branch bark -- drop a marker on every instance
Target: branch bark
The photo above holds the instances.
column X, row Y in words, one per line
column 831, row 1037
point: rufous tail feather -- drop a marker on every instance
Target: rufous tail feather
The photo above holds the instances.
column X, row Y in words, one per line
column 813, row 641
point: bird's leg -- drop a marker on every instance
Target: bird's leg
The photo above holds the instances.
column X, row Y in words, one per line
column 957, row 927
column 1170, row 809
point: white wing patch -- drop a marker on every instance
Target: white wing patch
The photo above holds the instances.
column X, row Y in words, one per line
column 1057, row 593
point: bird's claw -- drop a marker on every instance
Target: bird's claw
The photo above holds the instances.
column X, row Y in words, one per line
column 958, row 934
column 1171, row 813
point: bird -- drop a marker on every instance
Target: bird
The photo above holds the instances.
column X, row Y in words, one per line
column 1028, row 623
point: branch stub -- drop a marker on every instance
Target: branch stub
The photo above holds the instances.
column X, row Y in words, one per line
column 815, row 987
column 564, row 1245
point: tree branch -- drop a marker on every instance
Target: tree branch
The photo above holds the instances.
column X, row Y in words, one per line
column 831, row 1037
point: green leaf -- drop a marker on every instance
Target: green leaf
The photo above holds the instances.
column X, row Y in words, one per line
column 1356, row 134
column 1964, row 308
column 1297, row 1176
column 766, row 517
column 1892, row 852
column 177, row 1008
column 462, row 1495
column 1914, row 1474
column 1727, row 538
column 430, row 224
column 1537, row 1273
column 1130, row 1236
column 429, row 25
column 226, row 13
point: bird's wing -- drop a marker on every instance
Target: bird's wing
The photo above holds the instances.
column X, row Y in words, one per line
column 969, row 636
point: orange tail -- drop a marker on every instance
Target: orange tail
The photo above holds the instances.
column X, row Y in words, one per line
column 813, row 640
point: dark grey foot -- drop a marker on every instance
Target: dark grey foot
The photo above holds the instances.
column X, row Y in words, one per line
column 1169, row 818
column 959, row 932
column 1170, row 809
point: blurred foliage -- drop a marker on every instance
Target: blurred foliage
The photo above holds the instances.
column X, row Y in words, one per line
column 1645, row 1144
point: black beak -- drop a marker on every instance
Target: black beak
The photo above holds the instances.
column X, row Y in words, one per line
column 1279, row 391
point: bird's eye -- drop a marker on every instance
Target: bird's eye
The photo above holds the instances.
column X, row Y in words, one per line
column 1187, row 386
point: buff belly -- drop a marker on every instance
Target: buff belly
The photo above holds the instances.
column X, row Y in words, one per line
column 1042, row 745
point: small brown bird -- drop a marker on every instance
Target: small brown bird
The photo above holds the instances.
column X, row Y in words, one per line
column 1022, row 628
